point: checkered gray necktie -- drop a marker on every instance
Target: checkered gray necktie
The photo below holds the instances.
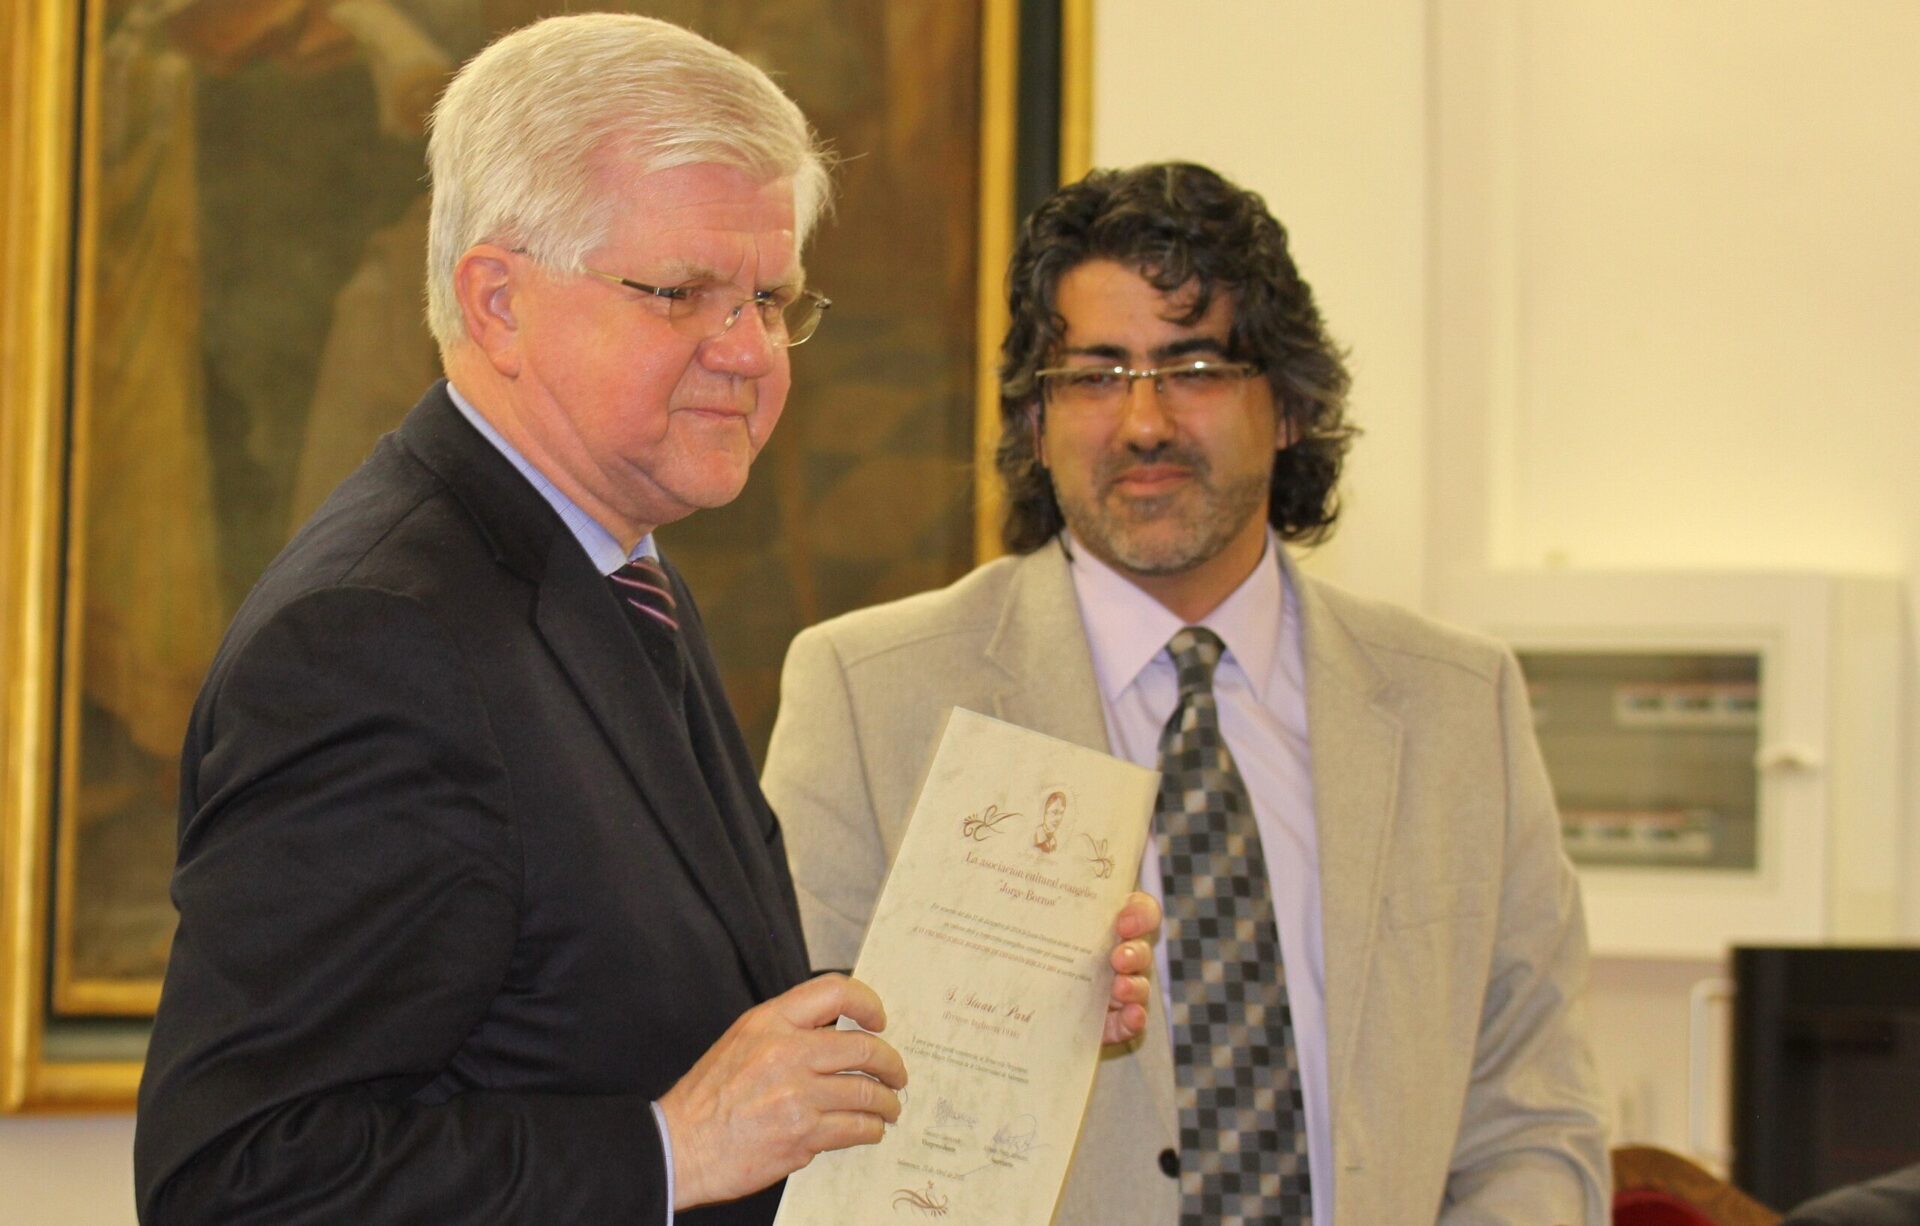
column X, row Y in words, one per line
column 1243, row 1127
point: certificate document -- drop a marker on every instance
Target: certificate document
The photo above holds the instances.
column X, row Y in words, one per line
column 989, row 949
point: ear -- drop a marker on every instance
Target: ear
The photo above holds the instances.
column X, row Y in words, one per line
column 1036, row 422
column 1283, row 429
column 484, row 284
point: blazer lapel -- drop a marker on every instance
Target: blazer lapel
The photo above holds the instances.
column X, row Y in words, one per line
column 589, row 636
column 1354, row 734
column 734, row 787
column 1040, row 648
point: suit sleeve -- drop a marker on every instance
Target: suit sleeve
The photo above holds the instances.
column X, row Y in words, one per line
column 1532, row 1148
column 348, row 889
column 816, row 781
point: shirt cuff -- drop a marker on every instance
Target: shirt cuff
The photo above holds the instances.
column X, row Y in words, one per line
column 666, row 1151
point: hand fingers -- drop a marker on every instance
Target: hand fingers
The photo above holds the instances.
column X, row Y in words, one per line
column 852, row 1092
column 823, row 999
column 1140, row 917
column 854, row 1051
column 1124, row 1023
column 841, row 1129
column 1128, row 990
column 862, row 1004
column 1131, row 957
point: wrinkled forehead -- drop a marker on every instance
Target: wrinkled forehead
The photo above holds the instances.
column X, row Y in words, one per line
column 705, row 220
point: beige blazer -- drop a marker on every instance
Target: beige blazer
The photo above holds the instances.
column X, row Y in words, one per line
column 1462, row 1087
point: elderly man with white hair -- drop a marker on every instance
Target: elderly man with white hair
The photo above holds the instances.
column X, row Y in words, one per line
column 483, row 917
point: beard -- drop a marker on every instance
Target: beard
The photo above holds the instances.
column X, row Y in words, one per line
column 1169, row 533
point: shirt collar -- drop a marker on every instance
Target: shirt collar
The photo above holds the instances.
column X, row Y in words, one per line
column 1127, row 629
column 602, row 549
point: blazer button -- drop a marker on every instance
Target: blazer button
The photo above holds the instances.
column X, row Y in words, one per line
column 1170, row 1163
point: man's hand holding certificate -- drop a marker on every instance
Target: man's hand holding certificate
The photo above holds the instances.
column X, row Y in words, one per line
column 993, row 947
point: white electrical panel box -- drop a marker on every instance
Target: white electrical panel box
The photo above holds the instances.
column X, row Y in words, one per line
column 1726, row 749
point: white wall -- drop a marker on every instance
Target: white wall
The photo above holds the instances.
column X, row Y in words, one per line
column 1715, row 297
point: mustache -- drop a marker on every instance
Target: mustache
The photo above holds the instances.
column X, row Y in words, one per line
column 1117, row 464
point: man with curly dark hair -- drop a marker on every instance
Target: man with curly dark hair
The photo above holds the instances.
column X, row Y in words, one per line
column 1375, row 957
column 1192, row 237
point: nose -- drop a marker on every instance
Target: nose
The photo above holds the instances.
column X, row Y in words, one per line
column 744, row 349
column 1144, row 420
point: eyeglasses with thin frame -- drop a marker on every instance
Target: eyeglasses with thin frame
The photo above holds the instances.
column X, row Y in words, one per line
column 703, row 310
column 1196, row 384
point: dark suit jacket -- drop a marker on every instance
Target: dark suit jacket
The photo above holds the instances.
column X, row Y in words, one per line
column 462, row 885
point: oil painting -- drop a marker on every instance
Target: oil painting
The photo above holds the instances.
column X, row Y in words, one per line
column 242, row 257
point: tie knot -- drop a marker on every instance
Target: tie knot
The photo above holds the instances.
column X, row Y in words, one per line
column 642, row 584
column 1196, row 652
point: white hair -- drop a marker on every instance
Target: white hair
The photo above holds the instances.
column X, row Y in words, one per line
column 525, row 135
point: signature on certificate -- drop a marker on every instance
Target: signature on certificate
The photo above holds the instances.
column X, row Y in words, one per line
column 946, row 1115
column 1017, row 1137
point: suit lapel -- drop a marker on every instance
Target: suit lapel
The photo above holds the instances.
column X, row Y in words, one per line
column 749, row 822
column 584, row 628
column 1040, row 646
column 590, row 637
column 1046, row 678
column 1354, row 733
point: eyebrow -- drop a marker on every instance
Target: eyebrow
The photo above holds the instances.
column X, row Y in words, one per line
column 1184, row 347
column 683, row 272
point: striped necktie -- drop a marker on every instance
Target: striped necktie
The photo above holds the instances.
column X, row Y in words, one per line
column 642, row 585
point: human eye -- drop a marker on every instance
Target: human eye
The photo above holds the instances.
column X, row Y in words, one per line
column 1092, row 380
column 1198, row 376
column 693, row 294
column 704, row 305
column 774, row 304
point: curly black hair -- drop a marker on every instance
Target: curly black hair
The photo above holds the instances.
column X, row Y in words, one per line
column 1177, row 225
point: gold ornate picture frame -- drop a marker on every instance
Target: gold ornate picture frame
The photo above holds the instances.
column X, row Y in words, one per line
column 210, row 221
